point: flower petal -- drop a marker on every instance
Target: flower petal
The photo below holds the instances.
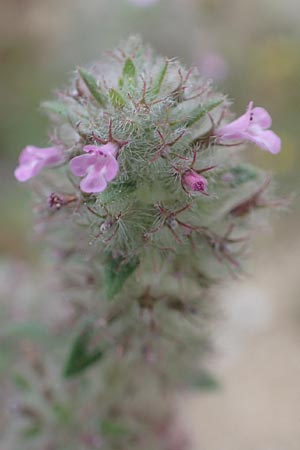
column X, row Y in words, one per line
column 50, row 155
column 265, row 139
column 261, row 117
column 93, row 182
column 234, row 129
column 110, row 148
column 27, row 170
column 112, row 168
column 107, row 149
column 80, row 164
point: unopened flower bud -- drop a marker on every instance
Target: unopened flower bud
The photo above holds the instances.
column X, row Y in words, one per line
column 194, row 182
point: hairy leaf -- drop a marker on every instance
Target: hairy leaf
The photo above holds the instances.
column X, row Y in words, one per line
column 92, row 86
column 117, row 271
column 199, row 112
column 116, row 98
column 129, row 70
column 55, row 107
column 113, row 428
column 160, row 78
column 203, row 380
column 242, row 174
column 81, row 356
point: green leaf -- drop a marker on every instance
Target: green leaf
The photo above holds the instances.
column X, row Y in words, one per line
column 160, row 78
column 242, row 174
column 92, row 86
column 203, row 380
column 62, row 412
column 55, row 107
column 116, row 98
column 21, row 382
column 120, row 190
column 129, row 70
column 117, row 271
column 112, row 428
column 199, row 112
column 31, row 432
column 81, row 357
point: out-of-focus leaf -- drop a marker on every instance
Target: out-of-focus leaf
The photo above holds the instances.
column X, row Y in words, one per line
column 92, row 86
column 203, row 380
column 199, row 112
column 242, row 174
column 31, row 432
column 120, row 190
column 117, row 271
column 159, row 79
column 81, row 356
column 21, row 382
column 116, row 98
column 113, row 428
column 55, row 107
column 129, row 70
column 62, row 412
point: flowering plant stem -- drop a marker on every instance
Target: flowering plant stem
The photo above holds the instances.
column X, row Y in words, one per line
column 147, row 204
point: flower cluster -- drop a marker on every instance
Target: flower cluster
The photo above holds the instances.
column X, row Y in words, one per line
column 139, row 133
column 148, row 204
column 99, row 165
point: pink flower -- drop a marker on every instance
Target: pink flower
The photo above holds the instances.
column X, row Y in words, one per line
column 97, row 167
column 213, row 65
column 251, row 126
column 143, row 3
column 33, row 159
column 194, row 182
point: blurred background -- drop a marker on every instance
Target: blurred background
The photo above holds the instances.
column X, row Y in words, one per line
column 251, row 48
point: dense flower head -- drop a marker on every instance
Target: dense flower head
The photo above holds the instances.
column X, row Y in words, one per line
column 146, row 207
column 33, row 159
column 140, row 131
column 252, row 126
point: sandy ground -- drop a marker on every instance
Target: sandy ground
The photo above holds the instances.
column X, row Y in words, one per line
column 258, row 406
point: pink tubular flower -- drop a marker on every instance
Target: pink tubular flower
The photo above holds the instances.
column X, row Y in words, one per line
column 33, row 159
column 97, row 167
column 194, row 182
column 251, row 126
column 143, row 3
